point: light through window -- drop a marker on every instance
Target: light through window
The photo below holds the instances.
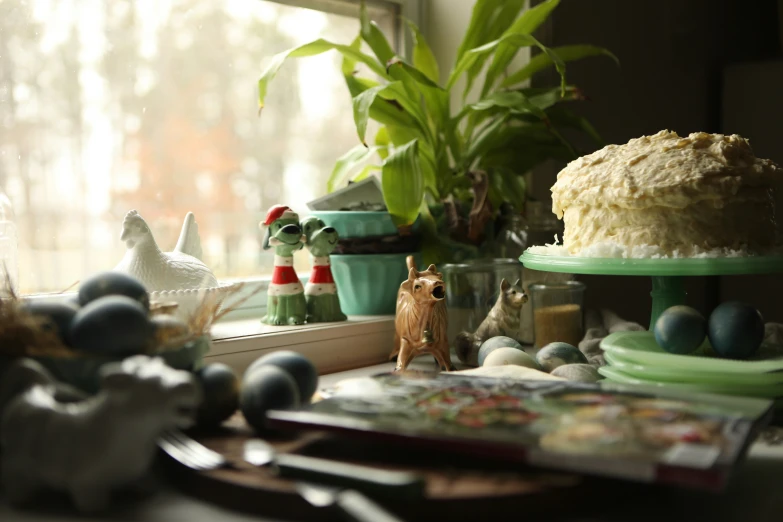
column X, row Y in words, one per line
column 151, row 105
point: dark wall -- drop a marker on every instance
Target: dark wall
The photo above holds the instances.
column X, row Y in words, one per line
column 672, row 58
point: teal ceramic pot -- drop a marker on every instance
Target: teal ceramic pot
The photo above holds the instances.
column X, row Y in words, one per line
column 353, row 224
column 368, row 284
column 83, row 372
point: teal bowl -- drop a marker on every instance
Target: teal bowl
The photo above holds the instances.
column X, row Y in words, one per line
column 353, row 224
column 83, row 372
column 368, row 284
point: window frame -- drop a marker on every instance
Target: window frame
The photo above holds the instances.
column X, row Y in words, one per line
column 332, row 346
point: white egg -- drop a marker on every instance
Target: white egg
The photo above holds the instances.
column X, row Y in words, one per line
column 512, row 356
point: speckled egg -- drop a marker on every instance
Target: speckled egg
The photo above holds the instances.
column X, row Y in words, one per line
column 220, row 387
column 557, row 354
column 510, row 356
column 112, row 325
column 493, row 343
column 57, row 315
column 680, row 330
column 736, row 330
column 297, row 365
column 577, row 373
column 113, row 283
column 267, row 388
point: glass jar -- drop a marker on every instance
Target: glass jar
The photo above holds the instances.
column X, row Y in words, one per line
column 558, row 312
column 512, row 238
column 472, row 288
column 542, row 227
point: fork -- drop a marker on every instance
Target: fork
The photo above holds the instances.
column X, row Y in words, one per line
column 190, row 453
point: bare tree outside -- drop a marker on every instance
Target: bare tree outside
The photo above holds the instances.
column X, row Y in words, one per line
column 107, row 107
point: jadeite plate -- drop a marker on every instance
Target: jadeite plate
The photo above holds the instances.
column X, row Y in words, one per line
column 641, row 348
column 766, row 392
column 679, row 375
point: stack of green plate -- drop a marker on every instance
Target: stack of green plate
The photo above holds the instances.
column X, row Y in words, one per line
column 635, row 358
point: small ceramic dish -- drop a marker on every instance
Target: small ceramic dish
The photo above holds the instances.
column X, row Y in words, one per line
column 187, row 301
column 762, row 391
column 666, row 374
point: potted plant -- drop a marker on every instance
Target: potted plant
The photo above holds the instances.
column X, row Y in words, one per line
column 455, row 166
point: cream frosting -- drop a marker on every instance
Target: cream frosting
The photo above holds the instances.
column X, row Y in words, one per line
column 675, row 194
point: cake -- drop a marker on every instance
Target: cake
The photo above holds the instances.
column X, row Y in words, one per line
column 669, row 196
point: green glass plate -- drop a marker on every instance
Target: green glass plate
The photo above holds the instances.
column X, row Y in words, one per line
column 689, row 266
column 641, row 348
column 679, row 375
column 766, row 392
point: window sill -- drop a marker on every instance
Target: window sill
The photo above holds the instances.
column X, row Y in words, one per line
column 332, row 347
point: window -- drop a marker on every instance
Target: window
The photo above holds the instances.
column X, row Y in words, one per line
column 151, row 105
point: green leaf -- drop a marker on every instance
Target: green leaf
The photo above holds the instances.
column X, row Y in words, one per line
column 421, row 78
column 349, row 63
column 486, row 138
column 525, row 24
column 423, row 58
column 513, row 100
column 374, row 37
column 365, row 172
column 346, row 163
column 503, row 16
column 382, row 141
column 417, row 84
column 567, row 53
column 517, row 40
column 403, row 187
column 480, row 19
column 561, row 116
column 361, row 109
column 311, row 49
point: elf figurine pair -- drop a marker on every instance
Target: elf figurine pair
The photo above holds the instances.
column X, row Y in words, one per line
column 288, row 301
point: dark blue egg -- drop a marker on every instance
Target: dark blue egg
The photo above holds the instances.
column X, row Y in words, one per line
column 493, row 343
column 297, row 365
column 680, row 329
column 557, row 354
column 736, row 330
column 220, row 392
column 112, row 325
column 267, row 388
column 113, row 283
column 57, row 314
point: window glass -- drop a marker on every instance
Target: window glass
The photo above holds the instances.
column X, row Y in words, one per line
column 151, row 105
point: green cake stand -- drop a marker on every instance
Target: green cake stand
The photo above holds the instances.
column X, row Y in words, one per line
column 667, row 274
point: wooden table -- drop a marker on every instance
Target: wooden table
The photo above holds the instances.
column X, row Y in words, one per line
column 755, row 495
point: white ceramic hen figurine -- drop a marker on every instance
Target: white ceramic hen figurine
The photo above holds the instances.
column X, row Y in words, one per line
column 178, row 270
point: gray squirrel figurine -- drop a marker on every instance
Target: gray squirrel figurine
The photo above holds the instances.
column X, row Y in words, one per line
column 88, row 446
column 503, row 319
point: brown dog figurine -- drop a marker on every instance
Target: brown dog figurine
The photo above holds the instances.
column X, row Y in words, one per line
column 420, row 322
column 503, row 319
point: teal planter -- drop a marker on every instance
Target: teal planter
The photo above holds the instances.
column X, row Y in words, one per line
column 368, row 284
column 350, row 224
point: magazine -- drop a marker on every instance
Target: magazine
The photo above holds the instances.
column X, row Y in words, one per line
column 635, row 433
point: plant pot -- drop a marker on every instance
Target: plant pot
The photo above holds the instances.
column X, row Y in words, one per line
column 354, row 224
column 368, row 284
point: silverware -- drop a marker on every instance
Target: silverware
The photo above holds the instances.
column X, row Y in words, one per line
column 190, row 453
column 353, row 506
column 374, row 481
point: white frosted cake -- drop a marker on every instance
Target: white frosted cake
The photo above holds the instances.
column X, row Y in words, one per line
column 668, row 196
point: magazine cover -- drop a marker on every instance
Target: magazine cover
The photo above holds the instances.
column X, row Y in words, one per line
column 603, row 429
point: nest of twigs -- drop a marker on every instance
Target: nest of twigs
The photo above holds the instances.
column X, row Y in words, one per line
column 23, row 334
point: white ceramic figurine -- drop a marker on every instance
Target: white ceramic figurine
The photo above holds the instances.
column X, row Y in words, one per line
column 180, row 269
column 93, row 446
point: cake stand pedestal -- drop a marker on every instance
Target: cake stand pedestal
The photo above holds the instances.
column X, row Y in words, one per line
column 667, row 274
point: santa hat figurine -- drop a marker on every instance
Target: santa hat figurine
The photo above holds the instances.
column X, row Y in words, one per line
column 279, row 212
